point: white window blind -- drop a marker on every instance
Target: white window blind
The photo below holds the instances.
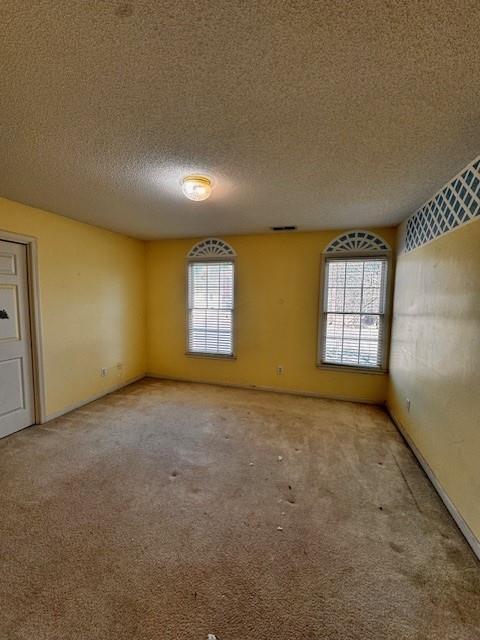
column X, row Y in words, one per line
column 354, row 300
column 210, row 307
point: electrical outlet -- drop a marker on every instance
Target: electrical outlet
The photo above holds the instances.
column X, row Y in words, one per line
column 407, row 404
column 103, row 372
column 279, row 370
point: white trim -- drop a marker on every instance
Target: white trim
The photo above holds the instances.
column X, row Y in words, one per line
column 388, row 313
column 470, row 537
column 188, row 262
column 352, row 368
column 216, row 356
column 97, row 396
column 254, row 387
column 35, row 319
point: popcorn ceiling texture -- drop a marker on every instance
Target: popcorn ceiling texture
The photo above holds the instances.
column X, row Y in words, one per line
column 318, row 114
column 168, row 511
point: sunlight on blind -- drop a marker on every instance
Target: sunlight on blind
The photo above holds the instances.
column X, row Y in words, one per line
column 210, row 307
column 354, row 312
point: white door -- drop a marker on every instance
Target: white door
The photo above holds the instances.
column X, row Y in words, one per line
column 16, row 375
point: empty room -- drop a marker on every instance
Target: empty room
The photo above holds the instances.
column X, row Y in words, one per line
column 239, row 320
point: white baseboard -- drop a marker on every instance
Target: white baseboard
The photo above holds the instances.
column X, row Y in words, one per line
column 254, row 387
column 97, row 396
column 470, row 537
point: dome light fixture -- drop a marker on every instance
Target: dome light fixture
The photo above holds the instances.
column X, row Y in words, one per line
column 197, row 187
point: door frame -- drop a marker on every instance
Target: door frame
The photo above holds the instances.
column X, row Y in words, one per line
column 35, row 320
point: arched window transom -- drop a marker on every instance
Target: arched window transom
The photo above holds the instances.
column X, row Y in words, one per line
column 357, row 241
column 211, row 248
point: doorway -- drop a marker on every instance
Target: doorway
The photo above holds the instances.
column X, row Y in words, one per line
column 20, row 398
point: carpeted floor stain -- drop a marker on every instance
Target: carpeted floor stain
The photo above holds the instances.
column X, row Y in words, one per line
column 173, row 510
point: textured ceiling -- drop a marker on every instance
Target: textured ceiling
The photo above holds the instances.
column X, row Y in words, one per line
column 318, row 114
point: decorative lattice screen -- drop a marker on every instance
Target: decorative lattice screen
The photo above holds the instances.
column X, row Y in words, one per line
column 457, row 203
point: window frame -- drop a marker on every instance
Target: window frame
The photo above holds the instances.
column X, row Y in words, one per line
column 346, row 256
column 210, row 259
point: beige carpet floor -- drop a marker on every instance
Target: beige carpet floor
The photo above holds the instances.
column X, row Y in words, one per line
column 170, row 510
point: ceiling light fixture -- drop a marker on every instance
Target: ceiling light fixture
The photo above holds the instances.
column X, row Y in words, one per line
column 197, row 187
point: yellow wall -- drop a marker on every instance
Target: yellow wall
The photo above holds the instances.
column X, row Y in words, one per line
column 276, row 317
column 435, row 361
column 92, row 297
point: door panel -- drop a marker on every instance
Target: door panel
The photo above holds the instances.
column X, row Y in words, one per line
column 9, row 329
column 16, row 374
column 11, row 386
column 7, row 264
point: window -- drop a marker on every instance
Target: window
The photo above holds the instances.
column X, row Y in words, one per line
column 353, row 331
column 211, row 300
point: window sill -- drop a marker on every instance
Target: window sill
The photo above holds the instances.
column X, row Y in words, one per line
column 213, row 356
column 352, row 369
